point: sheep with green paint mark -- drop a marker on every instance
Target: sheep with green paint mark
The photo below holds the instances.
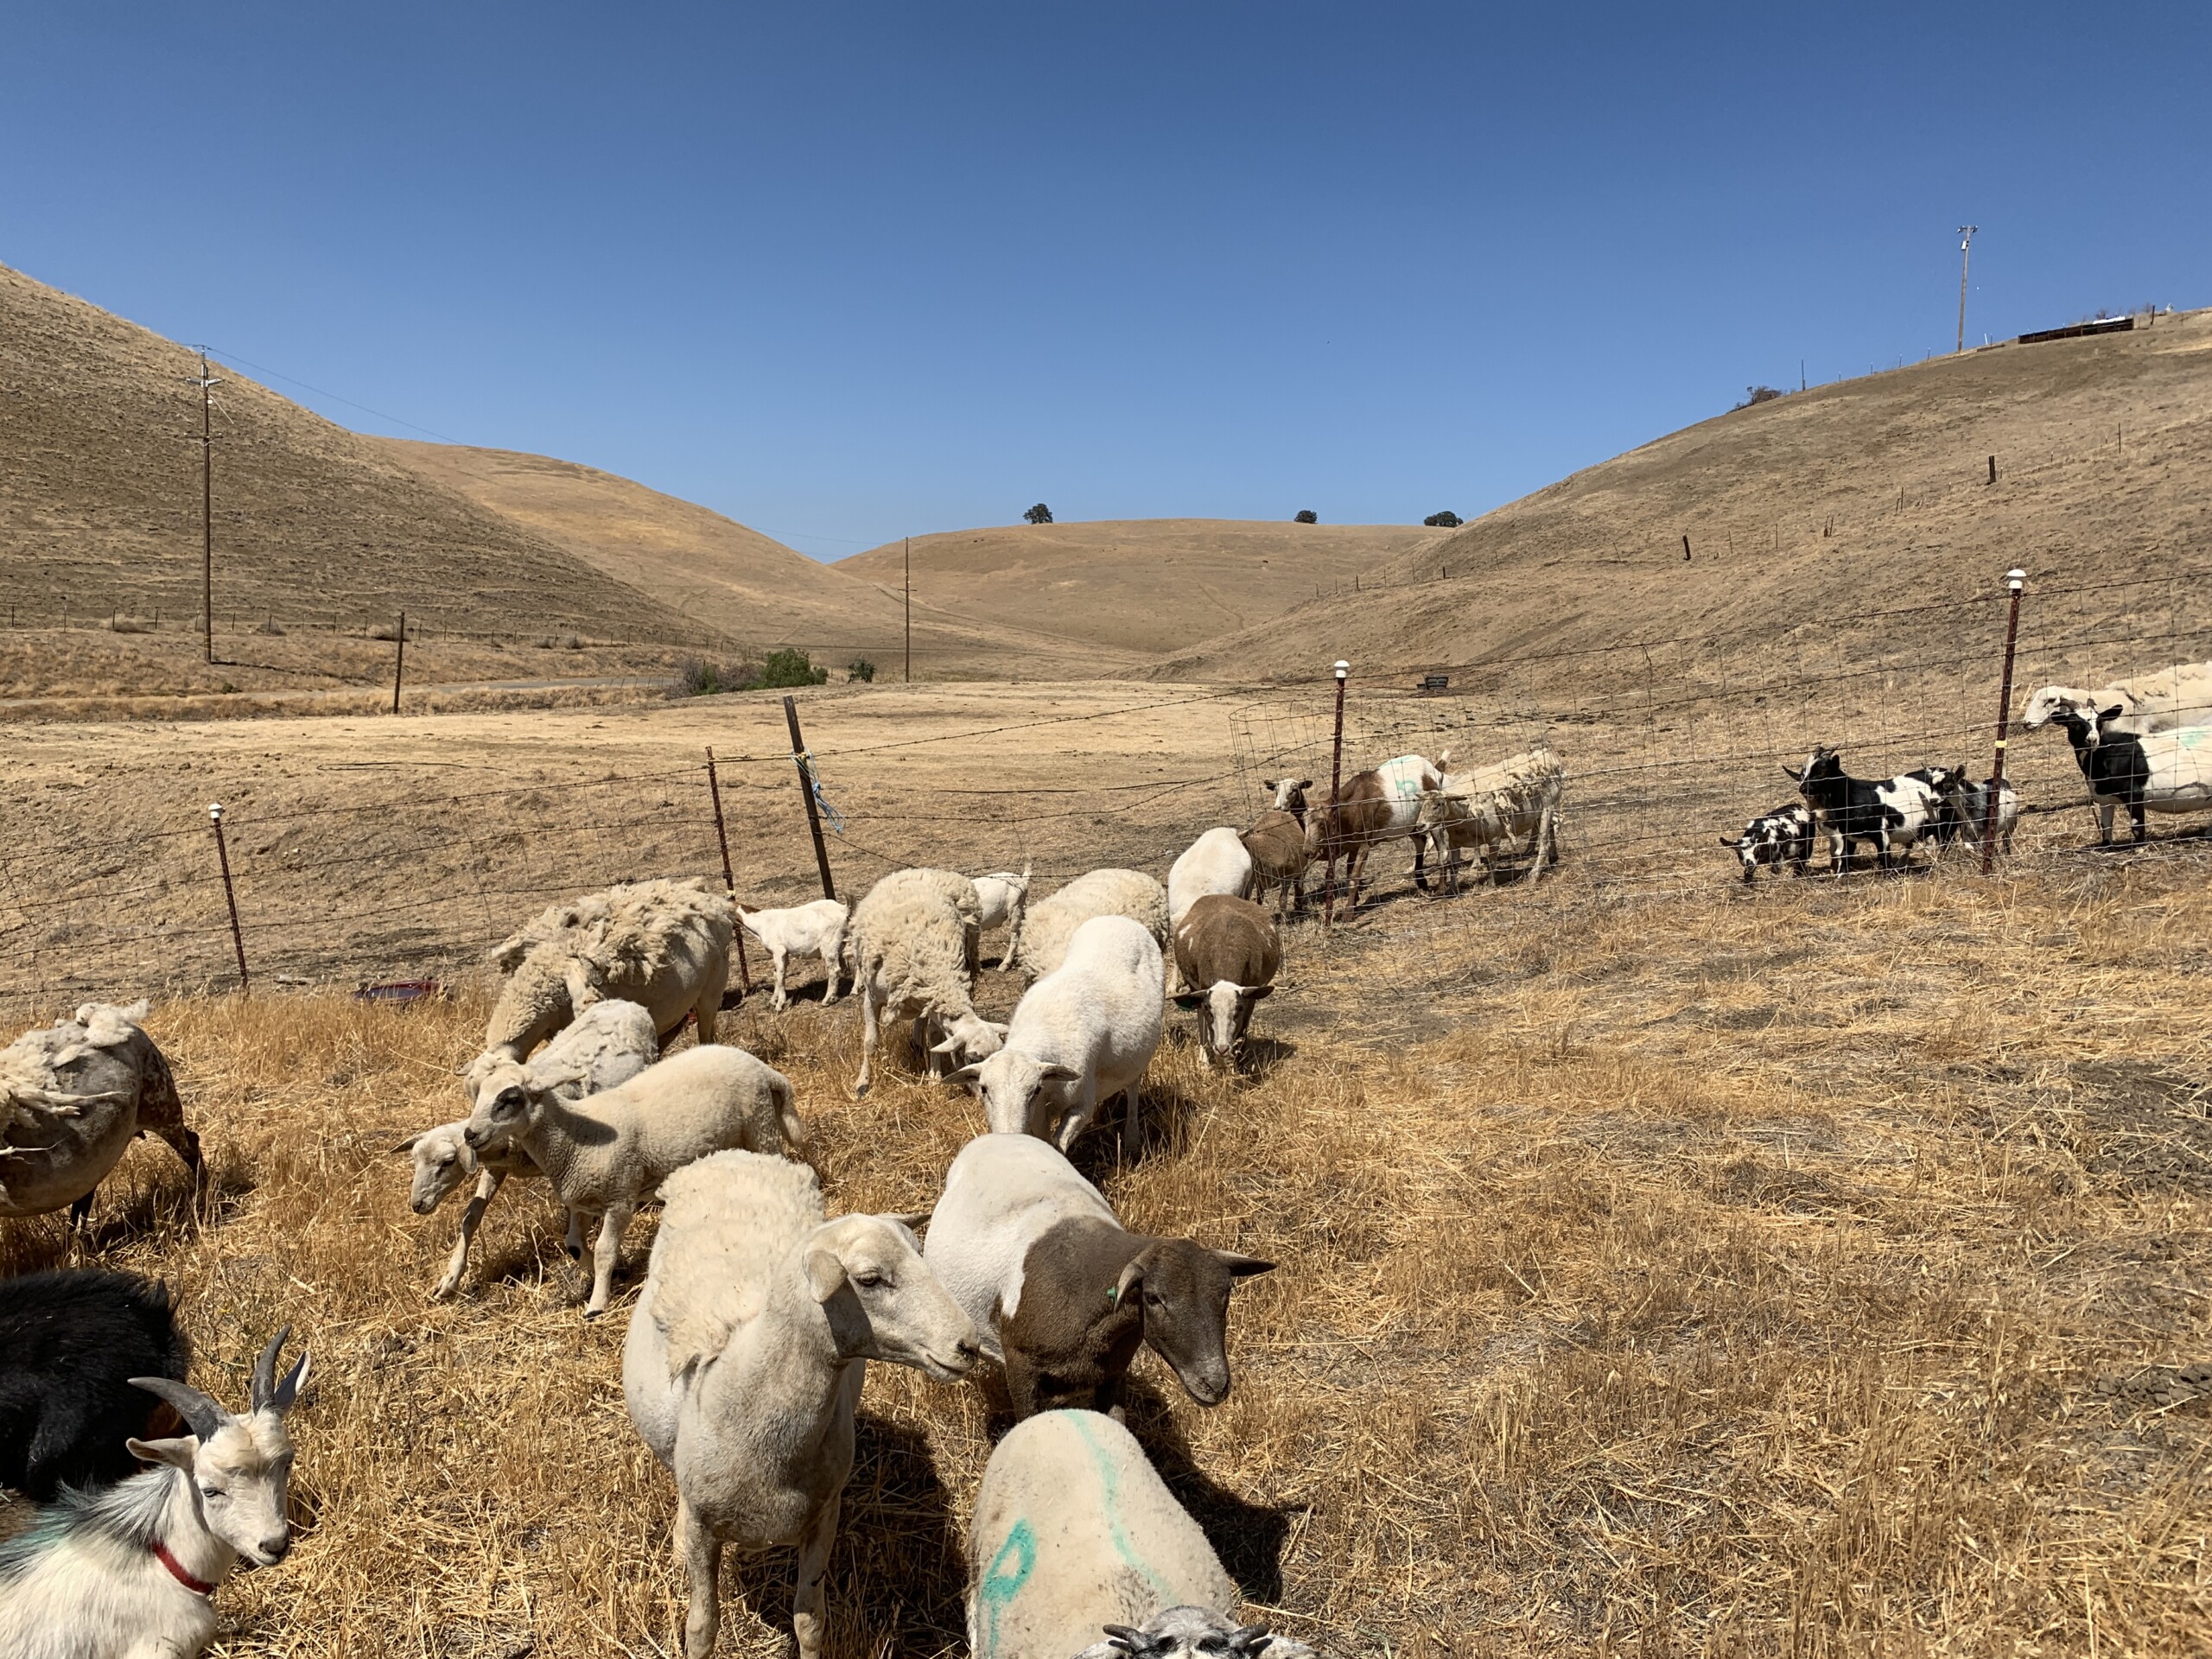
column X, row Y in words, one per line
column 1077, row 1550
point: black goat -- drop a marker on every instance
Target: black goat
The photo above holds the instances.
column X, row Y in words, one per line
column 69, row 1343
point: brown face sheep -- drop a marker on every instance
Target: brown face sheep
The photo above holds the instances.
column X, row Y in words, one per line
column 1229, row 953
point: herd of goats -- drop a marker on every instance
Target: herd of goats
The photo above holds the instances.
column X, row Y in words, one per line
column 748, row 1344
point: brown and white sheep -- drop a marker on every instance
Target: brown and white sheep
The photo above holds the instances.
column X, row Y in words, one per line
column 1372, row 808
column 1276, row 841
column 1229, row 953
column 1505, row 809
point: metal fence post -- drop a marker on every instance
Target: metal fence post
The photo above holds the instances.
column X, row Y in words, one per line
column 805, row 765
column 2015, row 580
column 1336, row 816
column 398, row 661
column 230, row 896
column 729, row 880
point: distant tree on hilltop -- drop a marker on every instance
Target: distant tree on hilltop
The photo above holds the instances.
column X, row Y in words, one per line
column 1757, row 394
column 1039, row 514
column 1308, row 516
column 1445, row 520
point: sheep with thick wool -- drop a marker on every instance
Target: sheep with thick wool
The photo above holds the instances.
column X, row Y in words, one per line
column 1052, row 922
column 915, row 938
column 607, row 1153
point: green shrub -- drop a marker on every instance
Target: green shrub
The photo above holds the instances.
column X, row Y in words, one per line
column 697, row 678
column 1308, row 516
column 861, row 669
column 1039, row 514
column 790, row 667
column 1445, row 520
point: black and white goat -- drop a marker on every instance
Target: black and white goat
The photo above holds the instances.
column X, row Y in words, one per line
column 69, row 1342
column 1965, row 804
column 129, row 1569
column 1781, row 836
column 1893, row 814
column 2158, row 772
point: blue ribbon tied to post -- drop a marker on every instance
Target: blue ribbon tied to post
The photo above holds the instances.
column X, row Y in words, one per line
column 837, row 819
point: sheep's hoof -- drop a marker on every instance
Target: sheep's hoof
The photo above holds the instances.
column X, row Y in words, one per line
column 443, row 1291
column 574, row 1252
column 593, row 1313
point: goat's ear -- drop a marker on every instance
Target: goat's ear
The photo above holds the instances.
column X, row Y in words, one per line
column 1253, row 993
column 1728, row 841
column 287, row 1393
column 1190, row 1001
column 1303, row 783
column 1267, row 783
column 1242, row 1267
column 1793, row 774
column 2113, row 712
column 825, row 1274
column 180, row 1453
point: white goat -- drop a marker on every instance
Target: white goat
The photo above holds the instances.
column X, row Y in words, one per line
column 1005, row 900
column 914, row 947
column 1052, row 921
column 609, row 1044
column 1075, row 1536
column 1082, row 1033
column 1218, row 861
column 126, row 1571
column 745, row 1356
column 609, row 1153
column 816, row 930
column 1496, row 809
column 2163, row 700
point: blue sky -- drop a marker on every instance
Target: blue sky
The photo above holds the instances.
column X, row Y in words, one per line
column 848, row 271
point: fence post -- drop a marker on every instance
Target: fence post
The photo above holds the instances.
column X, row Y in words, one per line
column 400, row 662
column 2015, row 580
column 230, row 897
column 1336, row 818
column 805, row 764
column 729, row 880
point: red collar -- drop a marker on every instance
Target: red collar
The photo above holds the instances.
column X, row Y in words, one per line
column 198, row 1586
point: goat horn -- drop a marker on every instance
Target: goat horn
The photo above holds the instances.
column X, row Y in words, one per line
column 1249, row 1638
column 201, row 1414
column 1131, row 1641
column 265, row 1371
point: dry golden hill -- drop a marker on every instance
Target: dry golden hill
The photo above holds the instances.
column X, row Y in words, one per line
column 1142, row 585
column 100, row 502
column 1869, row 494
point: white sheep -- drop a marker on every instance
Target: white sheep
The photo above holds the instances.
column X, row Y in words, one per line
column 1052, row 921
column 2163, row 701
column 609, row 1044
column 73, row 1097
column 745, row 1357
column 607, row 1153
column 1496, row 809
column 1005, row 898
column 1082, row 1033
column 663, row 944
column 1218, row 861
column 914, row 947
column 1075, row 1537
column 816, row 930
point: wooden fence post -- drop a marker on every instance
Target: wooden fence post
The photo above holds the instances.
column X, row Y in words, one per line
column 1336, row 816
column 805, row 764
column 2015, row 580
column 729, row 880
column 230, row 897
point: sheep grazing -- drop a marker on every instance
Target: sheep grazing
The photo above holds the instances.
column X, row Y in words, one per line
column 1229, row 953
column 1892, row 815
column 128, row 1570
column 1082, row 1035
column 1501, row 809
column 1781, row 836
column 1005, row 898
column 816, row 930
column 1276, row 841
column 1218, row 861
column 2157, row 772
column 607, row 1153
column 1372, row 808
column 1052, row 921
column 745, row 1357
column 1064, row 1295
column 914, row 949
column 1074, row 1534
column 609, row 1044
column 664, row 946
column 72, row 1097
column 69, row 1342
column 2165, row 701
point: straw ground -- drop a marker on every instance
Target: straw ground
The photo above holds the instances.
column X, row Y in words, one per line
column 1802, row 1270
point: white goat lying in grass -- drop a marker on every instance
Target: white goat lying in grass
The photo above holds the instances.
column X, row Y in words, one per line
column 125, row 1572
column 816, row 930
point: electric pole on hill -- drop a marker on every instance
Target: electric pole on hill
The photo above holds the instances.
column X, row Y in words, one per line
column 1966, row 242
column 909, row 610
column 207, row 385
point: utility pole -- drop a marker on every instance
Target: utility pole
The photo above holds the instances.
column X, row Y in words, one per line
column 909, row 610
column 1966, row 242
column 207, row 385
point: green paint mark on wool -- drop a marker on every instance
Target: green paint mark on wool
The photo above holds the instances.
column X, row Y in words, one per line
column 1109, row 1481
column 1009, row 1570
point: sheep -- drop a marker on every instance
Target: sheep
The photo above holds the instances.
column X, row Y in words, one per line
column 1074, row 1534
column 1005, row 898
column 1781, row 836
column 72, row 1098
column 69, row 1342
column 1082, row 1033
column 914, row 949
column 1510, row 805
column 1052, row 921
column 745, row 1357
column 816, row 930
column 1218, row 861
column 609, row 1044
column 607, row 1153
column 2162, row 772
column 1063, row 1294
column 663, row 944
column 1229, row 953
column 127, row 1570
column 1893, row 814
column 1276, row 841
column 2163, row 701
column 1373, row 807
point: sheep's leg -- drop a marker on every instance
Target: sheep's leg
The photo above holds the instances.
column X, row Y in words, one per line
column 1543, row 848
column 807, row 1586
column 868, row 1037
column 572, row 1240
column 1078, row 1116
column 702, row 1554
column 604, row 1254
column 777, row 999
column 1013, row 941
column 2135, row 817
column 833, row 954
column 1130, row 1126
column 487, row 1186
column 81, row 1213
column 1421, row 864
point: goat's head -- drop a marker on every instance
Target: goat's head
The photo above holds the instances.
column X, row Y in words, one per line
column 1289, row 795
column 1823, row 762
column 2083, row 732
column 1224, row 1011
column 442, row 1161
column 240, row 1468
column 881, row 1300
column 1193, row 1633
column 1183, row 1289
